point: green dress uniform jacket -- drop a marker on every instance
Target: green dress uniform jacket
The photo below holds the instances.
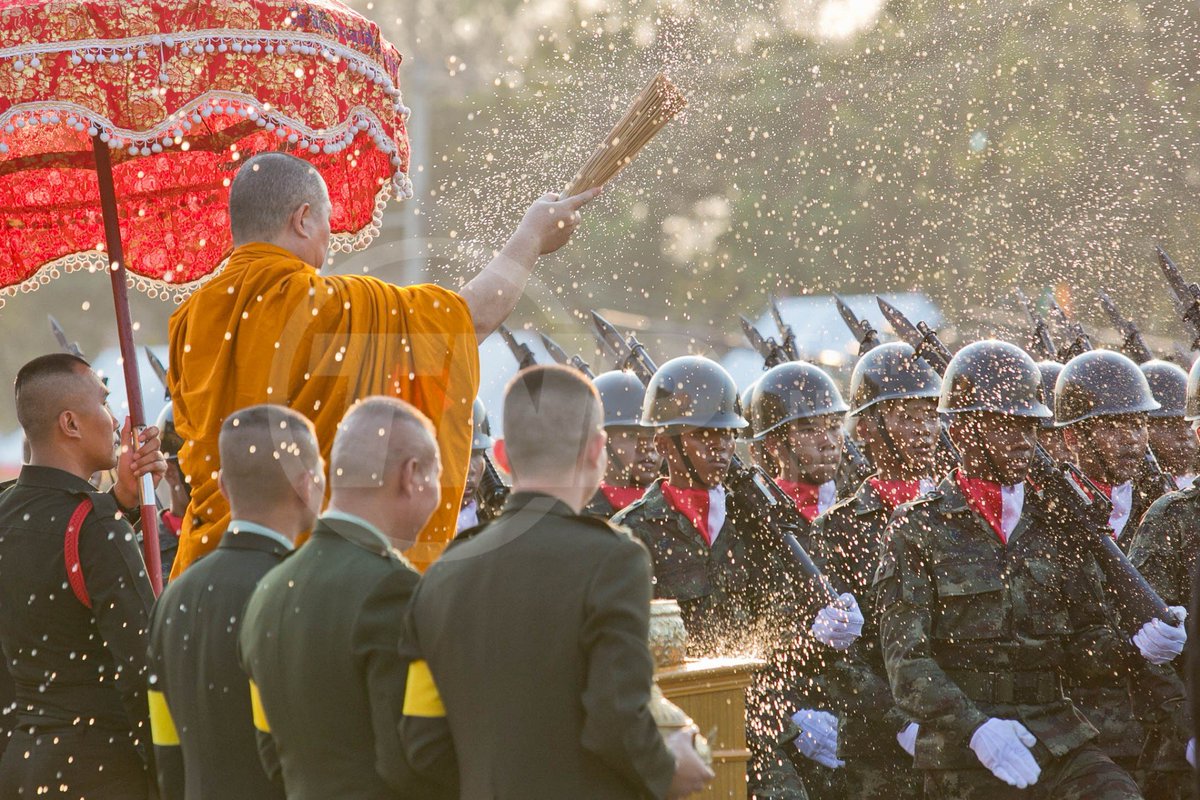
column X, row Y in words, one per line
column 79, row 673
column 194, row 666
column 972, row 628
column 535, row 630
column 319, row 641
column 846, row 542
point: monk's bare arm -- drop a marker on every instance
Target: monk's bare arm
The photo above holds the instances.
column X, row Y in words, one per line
column 547, row 225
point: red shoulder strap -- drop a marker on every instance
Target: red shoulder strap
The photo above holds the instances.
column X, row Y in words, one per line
column 71, row 552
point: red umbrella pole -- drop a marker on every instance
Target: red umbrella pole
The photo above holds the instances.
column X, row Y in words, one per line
column 133, row 384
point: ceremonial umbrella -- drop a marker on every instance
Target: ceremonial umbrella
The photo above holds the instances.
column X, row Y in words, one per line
column 122, row 123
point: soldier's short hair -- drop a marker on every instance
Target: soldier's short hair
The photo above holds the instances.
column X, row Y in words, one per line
column 377, row 434
column 267, row 190
column 42, row 390
column 550, row 413
column 265, row 450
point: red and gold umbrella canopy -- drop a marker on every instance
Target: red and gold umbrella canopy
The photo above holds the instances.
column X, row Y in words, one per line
column 181, row 93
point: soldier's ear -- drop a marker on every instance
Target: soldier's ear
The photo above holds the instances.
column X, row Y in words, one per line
column 68, row 425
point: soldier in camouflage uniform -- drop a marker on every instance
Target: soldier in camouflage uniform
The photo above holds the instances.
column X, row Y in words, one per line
column 736, row 589
column 894, row 401
column 1172, row 439
column 633, row 461
column 1166, row 550
column 985, row 607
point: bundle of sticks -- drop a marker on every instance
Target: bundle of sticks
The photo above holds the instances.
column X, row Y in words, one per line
column 650, row 111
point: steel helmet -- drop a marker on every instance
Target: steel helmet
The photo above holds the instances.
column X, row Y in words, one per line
column 692, row 392
column 1192, row 411
column 891, row 372
column 747, row 400
column 791, row 391
column 1100, row 383
column 1049, row 370
column 481, row 435
column 993, row 376
column 621, row 394
column 1169, row 385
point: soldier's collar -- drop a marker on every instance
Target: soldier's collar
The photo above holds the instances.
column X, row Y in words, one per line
column 867, row 500
column 53, row 478
column 537, row 502
column 953, row 500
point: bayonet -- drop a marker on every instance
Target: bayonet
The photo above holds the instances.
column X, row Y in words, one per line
column 1186, row 295
column 1133, row 344
column 864, row 332
column 520, row 351
column 1041, row 343
column 160, row 370
column 629, row 353
column 771, row 351
column 560, row 356
column 923, row 339
column 787, row 334
column 60, row 335
column 1080, row 341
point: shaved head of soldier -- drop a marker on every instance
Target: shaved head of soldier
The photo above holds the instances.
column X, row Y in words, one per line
column 271, row 468
column 385, row 468
column 281, row 200
column 554, row 437
column 62, row 405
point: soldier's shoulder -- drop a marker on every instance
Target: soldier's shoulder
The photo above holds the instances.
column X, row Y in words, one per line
column 1175, row 504
column 924, row 506
column 651, row 505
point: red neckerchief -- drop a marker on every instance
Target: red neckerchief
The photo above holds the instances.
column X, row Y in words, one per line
column 1106, row 488
column 806, row 496
column 693, row 504
column 620, row 496
column 985, row 498
column 895, row 493
column 174, row 524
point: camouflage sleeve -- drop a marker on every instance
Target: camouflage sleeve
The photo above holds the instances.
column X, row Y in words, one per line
column 1094, row 624
column 1156, row 548
column 906, row 596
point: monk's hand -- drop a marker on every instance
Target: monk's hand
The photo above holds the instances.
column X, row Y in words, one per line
column 134, row 462
column 550, row 221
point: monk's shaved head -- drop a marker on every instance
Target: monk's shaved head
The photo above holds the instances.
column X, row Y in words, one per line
column 550, row 415
column 265, row 451
column 377, row 435
column 265, row 193
column 49, row 385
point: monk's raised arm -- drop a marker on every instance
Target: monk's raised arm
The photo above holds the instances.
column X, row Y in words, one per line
column 547, row 225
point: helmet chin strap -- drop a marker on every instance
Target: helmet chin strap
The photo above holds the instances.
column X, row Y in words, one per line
column 889, row 441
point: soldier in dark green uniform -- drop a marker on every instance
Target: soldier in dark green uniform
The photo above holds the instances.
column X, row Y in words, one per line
column 73, row 617
column 274, row 479
column 735, row 588
column 985, row 608
column 1166, row 550
column 894, row 401
column 1049, row 436
column 1171, row 437
column 321, row 632
column 633, row 461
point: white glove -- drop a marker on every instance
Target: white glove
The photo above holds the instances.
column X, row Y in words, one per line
column 908, row 738
column 818, row 737
column 1191, row 751
column 1003, row 746
column 1159, row 642
column 838, row 624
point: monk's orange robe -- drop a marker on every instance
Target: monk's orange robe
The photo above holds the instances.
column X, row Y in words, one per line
column 271, row 329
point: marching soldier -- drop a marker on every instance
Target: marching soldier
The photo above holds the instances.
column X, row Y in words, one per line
column 985, row 607
column 200, row 711
column 74, row 594
column 894, row 396
column 731, row 584
column 1172, row 439
column 633, row 461
column 472, row 512
column 755, row 451
column 796, row 412
column 1049, row 436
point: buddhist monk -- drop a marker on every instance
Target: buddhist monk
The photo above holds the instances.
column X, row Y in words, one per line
column 270, row 328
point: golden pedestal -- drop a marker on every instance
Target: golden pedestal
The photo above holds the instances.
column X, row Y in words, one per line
column 712, row 691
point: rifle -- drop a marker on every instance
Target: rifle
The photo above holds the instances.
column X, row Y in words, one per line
column 772, row 352
column 1080, row 341
column 787, row 335
column 1071, row 505
column 1133, row 345
column 1186, row 295
column 521, row 352
column 160, row 370
column 493, row 491
column 864, row 332
column 770, row 507
column 1041, row 343
column 560, row 356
